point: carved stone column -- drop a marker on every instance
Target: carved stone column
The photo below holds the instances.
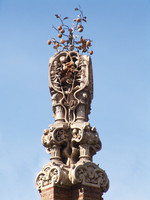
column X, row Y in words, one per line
column 71, row 141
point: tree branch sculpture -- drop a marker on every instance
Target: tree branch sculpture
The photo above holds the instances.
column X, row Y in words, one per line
column 68, row 39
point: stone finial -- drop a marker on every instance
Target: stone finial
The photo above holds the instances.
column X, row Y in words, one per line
column 71, row 141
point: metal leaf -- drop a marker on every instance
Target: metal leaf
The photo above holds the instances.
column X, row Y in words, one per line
column 57, row 16
column 65, row 18
column 84, row 20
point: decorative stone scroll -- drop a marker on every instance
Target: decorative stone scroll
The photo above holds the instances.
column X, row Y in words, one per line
column 71, row 140
column 89, row 174
column 51, row 175
column 71, row 86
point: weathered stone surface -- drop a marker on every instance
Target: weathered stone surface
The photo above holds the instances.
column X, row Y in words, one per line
column 71, row 140
column 71, row 86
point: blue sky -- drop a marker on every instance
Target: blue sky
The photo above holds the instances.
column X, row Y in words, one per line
column 120, row 32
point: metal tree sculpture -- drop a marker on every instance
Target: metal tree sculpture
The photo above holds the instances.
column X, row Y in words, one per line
column 72, row 41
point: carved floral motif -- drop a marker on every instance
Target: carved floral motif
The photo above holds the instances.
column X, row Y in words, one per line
column 70, row 82
column 51, row 175
column 89, row 174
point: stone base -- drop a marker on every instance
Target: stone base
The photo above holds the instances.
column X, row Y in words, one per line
column 76, row 192
column 56, row 193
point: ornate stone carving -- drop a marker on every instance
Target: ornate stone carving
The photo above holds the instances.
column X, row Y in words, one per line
column 71, row 86
column 90, row 174
column 71, row 140
column 51, row 175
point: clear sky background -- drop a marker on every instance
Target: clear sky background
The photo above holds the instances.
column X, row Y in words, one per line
column 120, row 30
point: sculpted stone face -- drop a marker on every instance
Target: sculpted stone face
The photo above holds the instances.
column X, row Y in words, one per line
column 71, row 140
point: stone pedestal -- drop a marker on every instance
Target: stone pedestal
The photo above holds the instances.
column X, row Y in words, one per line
column 56, row 193
column 71, row 140
column 76, row 192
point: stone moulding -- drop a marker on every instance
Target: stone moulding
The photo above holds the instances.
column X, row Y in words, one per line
column 71, row 140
